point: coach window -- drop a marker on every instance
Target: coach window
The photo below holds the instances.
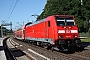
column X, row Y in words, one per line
column 48, row 23
column 23, row 31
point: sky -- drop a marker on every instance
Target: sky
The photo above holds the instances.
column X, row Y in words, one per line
column 20, row 12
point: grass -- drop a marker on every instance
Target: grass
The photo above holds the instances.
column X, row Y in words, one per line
column 85, row 40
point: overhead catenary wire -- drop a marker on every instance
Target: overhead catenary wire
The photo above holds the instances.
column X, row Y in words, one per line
column 37, row 5
column 13, row 9
column 10, row 10
column 34, row 9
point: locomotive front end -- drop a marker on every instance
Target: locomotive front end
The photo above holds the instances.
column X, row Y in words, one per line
column 67, row 31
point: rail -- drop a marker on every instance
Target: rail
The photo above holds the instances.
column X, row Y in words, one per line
column 8, row 53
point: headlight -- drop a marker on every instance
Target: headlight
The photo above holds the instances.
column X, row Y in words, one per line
column 61, row 31
column 76, row 36
column 74, row 31
column 60, row 36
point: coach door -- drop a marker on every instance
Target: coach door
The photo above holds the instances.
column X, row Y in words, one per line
column 47, row 25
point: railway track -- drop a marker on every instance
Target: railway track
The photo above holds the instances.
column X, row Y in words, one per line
column 19, row 52
column 11, row 51
column 83, row 54
column 55, row 55
column 8, row 53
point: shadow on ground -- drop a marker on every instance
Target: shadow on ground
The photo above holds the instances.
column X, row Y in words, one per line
column 17, row 52
column 82, row 48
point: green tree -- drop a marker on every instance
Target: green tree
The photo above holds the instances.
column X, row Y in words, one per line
column 70, row 7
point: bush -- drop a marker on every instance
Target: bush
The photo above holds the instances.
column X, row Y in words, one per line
column 83, row 34
column 89, row 31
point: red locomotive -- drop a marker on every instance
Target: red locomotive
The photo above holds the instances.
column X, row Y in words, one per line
column 58, row 31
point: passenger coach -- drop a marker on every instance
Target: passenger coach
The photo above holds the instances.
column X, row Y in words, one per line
column 19, row 33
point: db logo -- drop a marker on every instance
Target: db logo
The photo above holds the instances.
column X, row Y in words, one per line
column 67, row 31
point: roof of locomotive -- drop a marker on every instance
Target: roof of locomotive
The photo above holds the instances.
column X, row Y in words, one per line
column 57, row 15
column 36, row 22
column 63, row 16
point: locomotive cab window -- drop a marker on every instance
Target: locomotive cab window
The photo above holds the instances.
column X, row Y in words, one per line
column 70, row 22
column 48, row 23
column 65, row 21
column 60, row 22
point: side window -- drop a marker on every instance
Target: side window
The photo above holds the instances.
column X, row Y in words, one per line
column 23, row 31
column 48, row 23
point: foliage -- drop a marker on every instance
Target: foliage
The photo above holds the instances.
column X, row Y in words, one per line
column 85, row 40
column 89, row 31
column 5, row 31
column 70, row 7
column 83, row 34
